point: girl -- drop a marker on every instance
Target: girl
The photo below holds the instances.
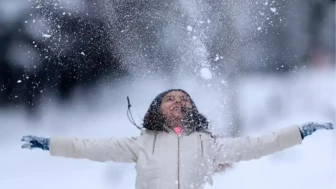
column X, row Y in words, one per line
column 175, row 149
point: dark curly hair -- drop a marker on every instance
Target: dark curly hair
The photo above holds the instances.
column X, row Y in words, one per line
column 155, row 121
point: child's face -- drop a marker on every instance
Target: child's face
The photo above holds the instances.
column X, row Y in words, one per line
column 172, row 104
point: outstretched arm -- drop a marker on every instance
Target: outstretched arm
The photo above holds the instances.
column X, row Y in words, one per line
column 108, row 149
column 248, row 148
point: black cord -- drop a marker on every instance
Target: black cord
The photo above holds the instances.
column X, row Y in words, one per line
column 129, row 114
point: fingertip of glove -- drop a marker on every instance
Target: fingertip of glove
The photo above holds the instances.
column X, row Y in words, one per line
column 26, row 146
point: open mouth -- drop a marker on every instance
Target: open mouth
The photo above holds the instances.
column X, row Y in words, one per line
column 176, row 108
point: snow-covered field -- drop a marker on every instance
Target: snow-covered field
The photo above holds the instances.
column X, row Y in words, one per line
column 267, row 103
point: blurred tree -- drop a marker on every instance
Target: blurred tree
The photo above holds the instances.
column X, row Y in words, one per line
column 77, row 53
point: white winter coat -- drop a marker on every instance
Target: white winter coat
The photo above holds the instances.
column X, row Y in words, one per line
column 164, row 160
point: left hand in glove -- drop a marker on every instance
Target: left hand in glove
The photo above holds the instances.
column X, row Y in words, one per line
column 33, row 142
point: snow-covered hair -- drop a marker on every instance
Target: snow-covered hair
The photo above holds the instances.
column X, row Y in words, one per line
column 154, row 120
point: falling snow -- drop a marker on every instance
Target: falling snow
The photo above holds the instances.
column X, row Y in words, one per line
column 273, row 9
column 46, row 35
column 206, row 73
column 189, row 28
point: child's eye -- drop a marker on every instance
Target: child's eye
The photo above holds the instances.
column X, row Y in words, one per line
column 170, row 98
column 185, row 99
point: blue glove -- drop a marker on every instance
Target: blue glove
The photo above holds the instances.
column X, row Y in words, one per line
column 307, row 129
column 32, row 142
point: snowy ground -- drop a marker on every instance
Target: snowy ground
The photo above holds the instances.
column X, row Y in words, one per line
column 297, row 98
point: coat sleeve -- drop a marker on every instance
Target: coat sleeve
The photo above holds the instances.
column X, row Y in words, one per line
column 248, row 148
column 108, row 149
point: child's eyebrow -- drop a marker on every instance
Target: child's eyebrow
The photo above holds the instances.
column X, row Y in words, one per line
column 169, row 96
column 183, row 96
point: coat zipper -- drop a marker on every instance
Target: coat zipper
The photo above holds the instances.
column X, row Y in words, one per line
column 201, row 145
column 178, row 162
column 154, row 143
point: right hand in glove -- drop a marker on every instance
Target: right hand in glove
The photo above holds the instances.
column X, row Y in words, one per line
column 32, row 142
column 309, row 128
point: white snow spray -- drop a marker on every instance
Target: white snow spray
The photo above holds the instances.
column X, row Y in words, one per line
column 195, row 44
